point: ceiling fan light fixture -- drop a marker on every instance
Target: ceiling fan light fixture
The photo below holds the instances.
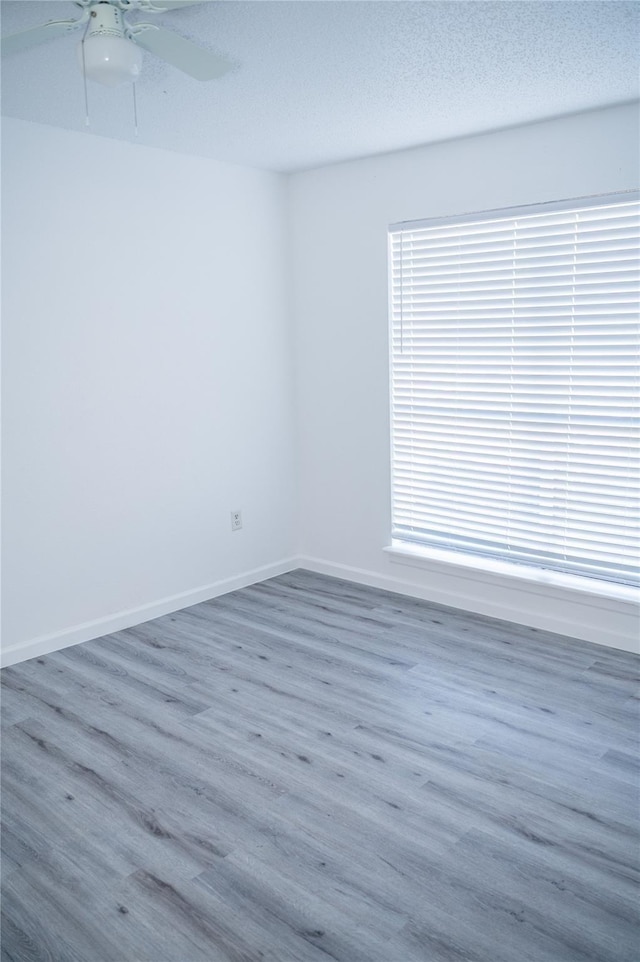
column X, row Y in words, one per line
column 110, row 60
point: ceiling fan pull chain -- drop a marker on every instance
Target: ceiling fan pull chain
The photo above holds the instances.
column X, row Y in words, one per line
column 84, row 78
column 135, row 110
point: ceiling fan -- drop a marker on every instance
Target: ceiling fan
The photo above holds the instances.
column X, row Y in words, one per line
column 109, row 51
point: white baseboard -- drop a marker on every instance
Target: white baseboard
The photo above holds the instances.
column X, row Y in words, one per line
column 603, row 621
column 607, row 622
column 46, row 644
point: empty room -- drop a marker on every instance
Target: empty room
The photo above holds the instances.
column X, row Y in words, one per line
column 320, row 475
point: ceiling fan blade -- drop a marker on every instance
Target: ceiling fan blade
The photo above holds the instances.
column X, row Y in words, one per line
column 36, row 35
column 159, row 6
column 179, row 52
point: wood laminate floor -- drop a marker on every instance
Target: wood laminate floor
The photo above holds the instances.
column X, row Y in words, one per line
column 308, row 770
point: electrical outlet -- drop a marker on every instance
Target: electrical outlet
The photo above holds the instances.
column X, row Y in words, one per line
column 236, row 520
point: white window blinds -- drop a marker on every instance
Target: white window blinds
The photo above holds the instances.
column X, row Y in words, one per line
column 515, row 376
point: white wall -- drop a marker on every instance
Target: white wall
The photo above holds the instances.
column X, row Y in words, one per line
column 339, row 217
column 147, row 383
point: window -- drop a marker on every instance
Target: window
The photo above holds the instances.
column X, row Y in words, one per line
column 515, row 375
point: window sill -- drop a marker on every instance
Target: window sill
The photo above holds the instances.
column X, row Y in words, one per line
column 417, row 556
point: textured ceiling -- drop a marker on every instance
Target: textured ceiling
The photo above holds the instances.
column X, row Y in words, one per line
column 318, row 81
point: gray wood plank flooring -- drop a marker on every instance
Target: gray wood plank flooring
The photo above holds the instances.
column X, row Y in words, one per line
column 309, row 769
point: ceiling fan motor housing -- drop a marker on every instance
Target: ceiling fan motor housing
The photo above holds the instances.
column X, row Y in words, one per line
column 106, row 20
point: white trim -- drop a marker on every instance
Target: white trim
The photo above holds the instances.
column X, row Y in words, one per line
column 422, row 556
column 522, row 210
column 609, row 622
column 46, row 644
column 587, row 616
